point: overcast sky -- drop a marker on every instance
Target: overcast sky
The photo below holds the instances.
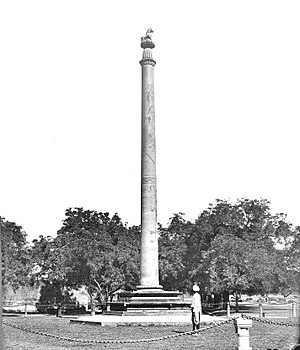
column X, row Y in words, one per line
column 227, row 86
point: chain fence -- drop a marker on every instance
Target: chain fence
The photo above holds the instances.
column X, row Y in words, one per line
column 263, row 320
column 212, row 325
column 234, row 320
column 283, row 309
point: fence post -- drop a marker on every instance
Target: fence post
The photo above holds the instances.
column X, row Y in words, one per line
column 294, row 314
column 25, row 310
column 260, row 309
column 92, row 307
column 242, row 327
column 228, row 309
column 59, row 310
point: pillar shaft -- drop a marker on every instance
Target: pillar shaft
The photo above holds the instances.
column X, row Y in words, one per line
column 149, row 238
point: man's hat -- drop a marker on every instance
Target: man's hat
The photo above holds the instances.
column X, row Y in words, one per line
column 196, row 288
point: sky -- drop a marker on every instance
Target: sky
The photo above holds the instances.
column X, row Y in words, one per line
column 227, row 85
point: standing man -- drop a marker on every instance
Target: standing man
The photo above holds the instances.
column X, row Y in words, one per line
column 196, row 307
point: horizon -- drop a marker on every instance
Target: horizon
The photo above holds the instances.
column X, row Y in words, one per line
column 126, row 223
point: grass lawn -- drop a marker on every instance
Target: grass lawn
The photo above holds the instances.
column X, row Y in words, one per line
column 262, row 336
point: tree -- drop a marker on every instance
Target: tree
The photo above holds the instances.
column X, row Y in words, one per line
column 50, row 269
column 291, row 258
column 173, row 253
column 240, row 266
column 102, row 252
column 15, row 253
column 92, row 250
column 249, row 225
column 219, row 219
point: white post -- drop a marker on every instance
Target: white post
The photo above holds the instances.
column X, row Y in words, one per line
column 242, row 328
column 228, row 309
column 25, row 311
column 260, row 309
column 294, row 314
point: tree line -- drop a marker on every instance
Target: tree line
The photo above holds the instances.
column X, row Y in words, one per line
column 231, row 248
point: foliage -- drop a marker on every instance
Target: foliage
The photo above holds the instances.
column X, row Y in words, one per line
column 237, row 266
column 241, row 246
column 100, row 252
column 49, row 272
column 16, row 261
column 231, row 247
column 172, row 252
column 291, row 260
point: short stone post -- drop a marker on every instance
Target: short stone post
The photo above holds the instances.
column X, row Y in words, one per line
column 260, row 309
column 294, row 314
column 93, row 311
column 228, row 309
column 25, row 310
column 242, row 329
column 59, row 310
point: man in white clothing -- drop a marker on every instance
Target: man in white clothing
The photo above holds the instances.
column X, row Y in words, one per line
column 196, row 307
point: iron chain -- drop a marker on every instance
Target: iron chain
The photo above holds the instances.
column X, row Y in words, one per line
column 213, row 325
column 258, row 319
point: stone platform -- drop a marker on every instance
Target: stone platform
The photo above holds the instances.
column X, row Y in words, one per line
column 146, row 307
column 144, row 320
column 149, row 302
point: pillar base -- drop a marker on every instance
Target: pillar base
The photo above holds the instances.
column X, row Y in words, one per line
column 149, row 301
column 154, row 289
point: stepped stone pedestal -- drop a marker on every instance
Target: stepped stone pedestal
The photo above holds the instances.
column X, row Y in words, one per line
column 149, row 302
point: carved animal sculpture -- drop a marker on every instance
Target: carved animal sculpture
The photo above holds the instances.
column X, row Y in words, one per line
column 148, row 35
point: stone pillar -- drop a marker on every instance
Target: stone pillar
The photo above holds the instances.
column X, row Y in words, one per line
column 149, row 238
